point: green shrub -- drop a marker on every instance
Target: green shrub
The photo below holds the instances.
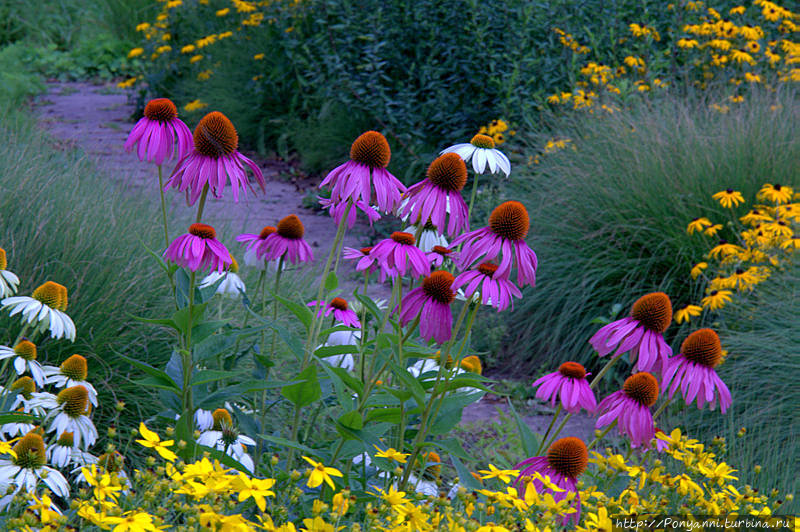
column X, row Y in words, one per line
column 610, row 216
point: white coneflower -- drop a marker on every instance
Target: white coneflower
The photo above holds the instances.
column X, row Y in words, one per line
column 72, row 372
column 24, row 354
column 203, row 419
column 70, row 415
column 8, row 281
column 64, row 453
column 46, row 308
column 346, row 360
column 483, row 153
column 27, row 467
column 14, row 429
column 231, row 285
column 224, row 437
column 25, row 390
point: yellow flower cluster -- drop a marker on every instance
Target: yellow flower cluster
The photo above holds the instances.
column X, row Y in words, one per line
column 568, row 41
column 765, row 237
column 496, row 129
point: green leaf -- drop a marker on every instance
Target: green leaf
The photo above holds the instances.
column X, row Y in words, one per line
column 389, row 415
column 168, row 322
column 465, row 478
column 306, row 391
column 370, row 304
column 345, row 399
column 301, row 312
column 181, row 288
column 331, row 282
column 159, row 375
column 158, row 258
column 351, row 420
column 183, row 320
column 211, row 375
column 283, row 442
column 453, row 447
column 203, row 330
column 531, row 441
column 330, row 350
column 16, row 417
column 411, row 383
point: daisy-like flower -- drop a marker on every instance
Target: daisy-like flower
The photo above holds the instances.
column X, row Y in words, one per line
column 24, row 388
column 69, row 415
column 364, row 176
column 698, row 224
column 203, row 419
column 231, row 285
column 483, row 153
column 698, row 268
column 565, row 461
column 337, row 211
column 45, row 307
column 156, row 133
column 224, row 437
column 8, row 281
column 320, row 474
column 692, row 370
column 24, row 355
column 255, row 246
column 397, row 254
column 438, row 197
column 199, row 249
column 439, row 254
column 338, row 307
column 686, row 313
column 508, row 227
column 776, row 193
column 570, row 384
column 26, row 468
column 755, row 217
column 642, row 333
column 429, row 237
column 729, row 198
column 64, row 453
column 213, row 161
column 630, row 406
column 153, row 441
column 72, row 372
column 724, row 249
column 16, row 428
column 287, row 242
column 431, row 302
column 716, row 299
column 494, row 289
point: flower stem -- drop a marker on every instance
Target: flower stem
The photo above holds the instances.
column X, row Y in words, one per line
column 202, row 205
column 557, row 431
column 188, row 363
column 602, row 434
column 473, row 194
column 603, row 371
column 661, row 408
column 163, row 206
column 549, row 428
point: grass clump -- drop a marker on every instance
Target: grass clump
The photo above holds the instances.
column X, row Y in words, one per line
column 609, row 216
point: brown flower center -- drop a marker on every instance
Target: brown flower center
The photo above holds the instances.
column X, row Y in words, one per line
column 448, row 172
column 572, row 370
column 266, row 231
column 372, row 149
column 441, row 250
column 437, row 287
column 291, row 227
column 482, row 141
column 222, row 419
column 366, row 250
column 30, row 452
column 26, row 349
column 111, row 462
column 66, row 439
column 3, row 260
column 52, row 294
column 215, row 135
column 642, row 387
column 510, row 221
column 487, row 268
column 703, row 347
column 339, row 303
column 653, row 311
column 161, row 109
column 73, row 400
column 203, row 231
column 400, row 237
column 25, row 386
column 75, row 368
column 568, row 456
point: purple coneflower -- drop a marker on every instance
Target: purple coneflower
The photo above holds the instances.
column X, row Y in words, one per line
column 365, row 171
column 337, row 209
column 366, row 261
column 439, row 194
column 199, row 249
column 508, row 227
column 433, row 300
column 693, row 371
column 340, row 311
column 214, row 160
column 287, row 242
column 438, row 254
column 156, row 131
column 570, row 383
column 642, row 333
column 565, row 461
column 495, row 289
column 397, row 254
column 255, row 245
column 630, row 406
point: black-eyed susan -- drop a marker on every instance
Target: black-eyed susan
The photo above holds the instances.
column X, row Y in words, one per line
column 45, row 308
column 697, row 269
column 687, row 312
column 713, row 230
column 698, row 224
column 716, row 299
column 791, row 244
column 776, row 193
column 756, row 216
column 723, row 249
column 729, row 198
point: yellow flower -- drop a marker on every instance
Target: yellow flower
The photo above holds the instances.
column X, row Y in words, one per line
column 711, row 231
column 223, row 12
column 135, row 52
column 189, row 48
column 776, row 193
column 152, row 441
column 716, row 299
column 738, row 10
column 43, row 506
column 340, row 504
column 723, row 249
column 320, row 473
column 687, row 312
column 195, row 58
column 698, row 224
column 729, row 198
column 195, row 105
column 742, row 57
column 143, row 26
column 599, row 521
column 391, row 454
column 256, row 488
column 258, row 57
column 491, row 527
column 698, row 268
column 503, row 474
column 752, row 78
column 791, row 243
column 133, row 522
column 163, row 49
column 719, row 473
column 105, row 487
column 392, row 497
